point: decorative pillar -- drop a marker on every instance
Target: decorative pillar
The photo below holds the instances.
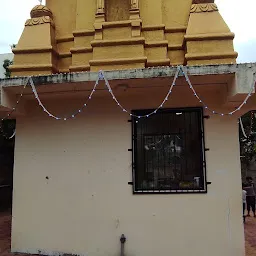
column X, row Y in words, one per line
column 100, row 6
column 100, row 14
column 134, row 11
column 134, row 4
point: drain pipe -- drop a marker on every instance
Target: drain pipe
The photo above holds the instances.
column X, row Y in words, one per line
column 122, row 240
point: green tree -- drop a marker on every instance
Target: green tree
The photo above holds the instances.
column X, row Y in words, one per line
column 247, row 138
column 6, row 65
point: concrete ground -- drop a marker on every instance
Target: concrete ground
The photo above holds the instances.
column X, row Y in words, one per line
column 5, row 235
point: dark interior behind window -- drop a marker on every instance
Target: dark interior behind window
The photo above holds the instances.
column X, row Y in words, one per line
column 168, row 151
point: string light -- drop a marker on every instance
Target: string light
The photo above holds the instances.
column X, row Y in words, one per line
column 73, row 115
column 242, row 127
column 101, row 76
column 211, row 110
column 11, row 112
column 153, row 112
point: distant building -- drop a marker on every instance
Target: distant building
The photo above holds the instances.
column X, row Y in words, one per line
column 3, row 57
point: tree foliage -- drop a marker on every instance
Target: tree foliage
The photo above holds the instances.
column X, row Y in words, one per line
column 248, row 140
column 6, row 65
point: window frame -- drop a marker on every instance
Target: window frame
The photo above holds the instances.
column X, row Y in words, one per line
column 203, row 168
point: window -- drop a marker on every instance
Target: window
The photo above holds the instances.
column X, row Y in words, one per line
column 168, row 151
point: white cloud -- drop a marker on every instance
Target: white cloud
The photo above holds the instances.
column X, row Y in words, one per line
column 13, row 14
column 240, row 16
column 246, row 51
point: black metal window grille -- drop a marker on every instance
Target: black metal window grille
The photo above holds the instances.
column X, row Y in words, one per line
column 168, row 152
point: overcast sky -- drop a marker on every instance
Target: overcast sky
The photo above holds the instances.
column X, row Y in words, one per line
column 239, row 15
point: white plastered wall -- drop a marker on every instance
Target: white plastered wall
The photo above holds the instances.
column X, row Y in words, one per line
column 71, row 192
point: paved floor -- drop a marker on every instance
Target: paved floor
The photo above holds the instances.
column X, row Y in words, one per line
column 5, row 233
column 250, row 236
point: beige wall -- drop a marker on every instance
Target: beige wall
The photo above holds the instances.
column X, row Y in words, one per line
column 87, row 203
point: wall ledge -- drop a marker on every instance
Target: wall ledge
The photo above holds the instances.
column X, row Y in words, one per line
column 210, row 36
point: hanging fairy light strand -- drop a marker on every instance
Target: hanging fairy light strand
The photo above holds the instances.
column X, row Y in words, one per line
column 151, row 113
column 242, row 128
column 206, row 106
column 6, row 136
column 101, row 76
column 17, row 102
column 77, row 112
column 11, row 112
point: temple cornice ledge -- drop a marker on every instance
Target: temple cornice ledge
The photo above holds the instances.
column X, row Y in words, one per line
column 39, row 21
column 208, row 7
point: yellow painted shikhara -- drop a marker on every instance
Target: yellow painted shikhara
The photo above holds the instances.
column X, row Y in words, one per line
column 78, row 35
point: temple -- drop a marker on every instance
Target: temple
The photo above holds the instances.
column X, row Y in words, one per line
column 82, row 35
column 127, row 130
